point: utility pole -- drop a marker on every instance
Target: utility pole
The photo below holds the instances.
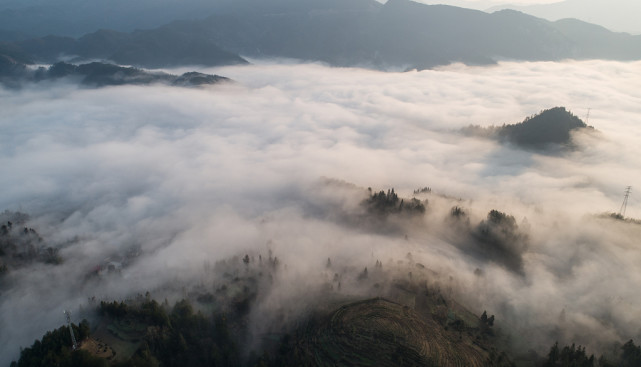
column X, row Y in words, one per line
column 624, row 205
column 73, row 336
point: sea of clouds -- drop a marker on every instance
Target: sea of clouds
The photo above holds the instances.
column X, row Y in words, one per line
column 190, row 175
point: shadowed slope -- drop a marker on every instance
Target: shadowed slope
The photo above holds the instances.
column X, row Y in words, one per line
column 378, row 332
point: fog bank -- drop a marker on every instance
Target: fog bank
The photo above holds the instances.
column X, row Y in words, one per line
column 194, row 176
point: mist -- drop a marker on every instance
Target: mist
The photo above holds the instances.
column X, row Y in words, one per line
column 279, row 161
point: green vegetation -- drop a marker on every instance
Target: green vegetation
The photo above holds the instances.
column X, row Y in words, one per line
column 148, row 312
column 383, row 204
column 573, row 356
column 378, row 332
column 416, row 324
column 550, row 127
column 98, row 74
column 619, row 217
column 500, row 238
column 176, row 338
column 21, row 245
column 180, row 337
column 568, row 356
column 55, row 350
column 423, row 190
column 374, row 332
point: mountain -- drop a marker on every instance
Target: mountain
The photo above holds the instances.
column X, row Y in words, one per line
column 616, row 15
column 77, row 17
column 155, row 48
column 13, row 36
column 96, row 74
column 400, row 34
column 403, row 33
column 549, row 128
column 13, row 61
column 74, row 18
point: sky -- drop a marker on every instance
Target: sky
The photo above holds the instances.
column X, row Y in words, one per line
column 615, row 15
column 278, row 160
column 485, row 4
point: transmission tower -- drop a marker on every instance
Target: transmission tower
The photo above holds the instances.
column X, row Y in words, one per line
column 624, row 206
column 587, row 117
column 73, row 336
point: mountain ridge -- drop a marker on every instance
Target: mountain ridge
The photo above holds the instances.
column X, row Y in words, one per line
column 399, row 34
column 14, row 74
column 615, row 15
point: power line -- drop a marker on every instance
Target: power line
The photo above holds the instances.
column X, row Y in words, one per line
column 587, row 117
column 624, row 205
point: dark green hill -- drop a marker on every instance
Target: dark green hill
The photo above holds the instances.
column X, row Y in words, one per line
column 551, row 126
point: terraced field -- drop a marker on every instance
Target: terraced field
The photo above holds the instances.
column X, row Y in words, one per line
column 378, row 332
column 121, row 338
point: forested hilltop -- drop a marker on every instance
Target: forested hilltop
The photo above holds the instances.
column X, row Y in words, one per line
column 390, row 312
column 16, row 72
column 550, row 128
column 438, row 332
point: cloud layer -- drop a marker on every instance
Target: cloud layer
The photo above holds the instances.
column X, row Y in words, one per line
column 196, row 175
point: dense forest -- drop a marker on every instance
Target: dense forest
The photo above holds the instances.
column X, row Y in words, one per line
column 180, row 336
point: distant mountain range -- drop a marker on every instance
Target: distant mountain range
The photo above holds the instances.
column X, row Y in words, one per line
column 616, row 15
column 77, row 17
column 153, row 48
column 14, row 73
column 400, row 34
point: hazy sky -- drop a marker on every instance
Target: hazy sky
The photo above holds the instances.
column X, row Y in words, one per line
column 195, row 175
column 615, row 15
column 485, row 4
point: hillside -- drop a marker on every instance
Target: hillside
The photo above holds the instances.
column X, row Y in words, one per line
column 151, row 49
column 383, row 333
column 371, row 332
column 616, row 15
column 395, row 312
column 96, row 74
column 549, row 128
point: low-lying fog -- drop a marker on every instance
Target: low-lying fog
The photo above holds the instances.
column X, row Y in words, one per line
column 192, row 176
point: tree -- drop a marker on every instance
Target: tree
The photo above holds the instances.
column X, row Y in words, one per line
column 631, row 355
column 55, row 350
column 569, row 356
column 363, row 275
